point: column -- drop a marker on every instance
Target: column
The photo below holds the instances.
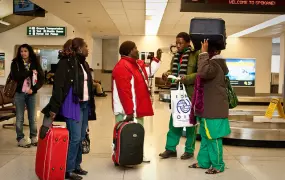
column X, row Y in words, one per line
column 282, row 64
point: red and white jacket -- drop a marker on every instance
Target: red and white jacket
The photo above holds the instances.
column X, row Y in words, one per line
column 129, row 87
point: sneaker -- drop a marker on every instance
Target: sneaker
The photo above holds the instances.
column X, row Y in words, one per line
column 187, row 155
column 145, row 160
column 24, row 143
column 167, row 154
column 34, row 141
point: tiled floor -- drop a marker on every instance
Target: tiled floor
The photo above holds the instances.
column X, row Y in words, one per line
column 241, row 163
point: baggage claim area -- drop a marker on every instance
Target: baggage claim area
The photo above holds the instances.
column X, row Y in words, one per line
column 253, row 123
column 250, row 35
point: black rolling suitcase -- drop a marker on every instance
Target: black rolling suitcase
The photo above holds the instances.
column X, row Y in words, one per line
column 128, row 142
column 205, row 28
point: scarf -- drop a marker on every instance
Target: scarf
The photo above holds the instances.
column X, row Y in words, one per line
column 27, row 82
column 197, row 99
column 180, row 65
column 78, row 77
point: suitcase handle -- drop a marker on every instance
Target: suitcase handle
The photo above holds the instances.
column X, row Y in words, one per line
column 43, row 132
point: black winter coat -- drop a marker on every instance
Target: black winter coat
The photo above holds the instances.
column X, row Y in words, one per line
column 20, row 73
column 64, row 77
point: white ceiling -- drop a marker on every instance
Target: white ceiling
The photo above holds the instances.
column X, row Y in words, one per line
column 272, row 31
column 6, row 8
column 127, row 17
column 107, row 17
column 271, row 28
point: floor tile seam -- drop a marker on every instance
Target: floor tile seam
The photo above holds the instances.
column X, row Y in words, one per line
column 124, row 174
column 260, row 156
column 11, row 160
column 247, row 170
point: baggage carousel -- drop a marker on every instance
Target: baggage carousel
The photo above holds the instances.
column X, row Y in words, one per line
column 248, row 128
column 164, row 96
column 248, row 125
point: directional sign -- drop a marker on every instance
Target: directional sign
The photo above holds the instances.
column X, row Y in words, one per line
column 46, row 31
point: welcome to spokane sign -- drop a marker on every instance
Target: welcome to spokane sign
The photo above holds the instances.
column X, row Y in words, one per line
column 234, row 6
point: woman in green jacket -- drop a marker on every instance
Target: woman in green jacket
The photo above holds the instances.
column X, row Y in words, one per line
column 211, row 109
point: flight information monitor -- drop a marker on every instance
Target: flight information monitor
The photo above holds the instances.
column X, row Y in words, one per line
column 241, row 71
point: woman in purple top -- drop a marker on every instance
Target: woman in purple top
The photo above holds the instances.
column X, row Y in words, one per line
column 73, row 101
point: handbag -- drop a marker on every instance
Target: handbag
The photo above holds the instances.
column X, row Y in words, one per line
column 232, row 97
column 180, row 107
column 10, row 86
column 86, row 143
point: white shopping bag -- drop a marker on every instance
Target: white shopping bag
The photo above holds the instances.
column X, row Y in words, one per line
column 180, row 107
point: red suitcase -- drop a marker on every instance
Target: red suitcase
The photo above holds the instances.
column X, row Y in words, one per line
column 52, row 154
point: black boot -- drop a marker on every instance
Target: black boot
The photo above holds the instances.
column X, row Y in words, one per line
column 80, row 171
column 187, row 155
column 72, row 176
column 167, row 154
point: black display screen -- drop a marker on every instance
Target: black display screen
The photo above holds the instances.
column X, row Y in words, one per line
column 27, row 8
column 234, row 6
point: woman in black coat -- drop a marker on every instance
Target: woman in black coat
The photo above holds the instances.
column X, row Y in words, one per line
column 72, row 100
column 27, row 71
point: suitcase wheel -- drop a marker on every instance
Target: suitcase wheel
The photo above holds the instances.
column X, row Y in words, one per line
column 116, row 164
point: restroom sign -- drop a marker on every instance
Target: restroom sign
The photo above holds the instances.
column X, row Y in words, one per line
column 46, row 31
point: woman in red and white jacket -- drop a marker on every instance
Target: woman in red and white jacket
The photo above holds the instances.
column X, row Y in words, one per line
column 131, row 94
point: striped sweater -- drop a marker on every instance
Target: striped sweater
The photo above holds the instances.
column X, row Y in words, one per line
column 185, row 64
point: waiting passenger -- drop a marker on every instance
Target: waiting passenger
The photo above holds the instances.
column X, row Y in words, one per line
column 72, row 97
column 27, row 71
column 131, row 96
column 97, row 86
column 98, row 89
column 184, row 65
column 211, row 109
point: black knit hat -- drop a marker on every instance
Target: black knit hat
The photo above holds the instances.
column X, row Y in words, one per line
column 126, row 47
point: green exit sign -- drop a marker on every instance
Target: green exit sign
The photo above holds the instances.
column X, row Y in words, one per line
column 46, row 31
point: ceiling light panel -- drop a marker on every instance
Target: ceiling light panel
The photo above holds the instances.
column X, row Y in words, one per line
column 155, row 9
column 128, row 16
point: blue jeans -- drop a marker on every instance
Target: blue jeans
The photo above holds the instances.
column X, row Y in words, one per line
column 22, row 100
column 77, row 132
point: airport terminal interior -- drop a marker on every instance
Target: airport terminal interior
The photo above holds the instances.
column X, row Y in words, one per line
column 254, row 54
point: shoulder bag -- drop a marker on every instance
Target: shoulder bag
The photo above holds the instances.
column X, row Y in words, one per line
column 10, row 86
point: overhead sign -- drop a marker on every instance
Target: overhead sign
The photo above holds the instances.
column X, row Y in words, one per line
column 234, row 6
column 46, row 31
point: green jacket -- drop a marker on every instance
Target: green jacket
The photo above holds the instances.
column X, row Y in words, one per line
column 191, row 72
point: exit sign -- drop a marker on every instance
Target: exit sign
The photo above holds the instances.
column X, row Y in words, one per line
column 46, row 31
